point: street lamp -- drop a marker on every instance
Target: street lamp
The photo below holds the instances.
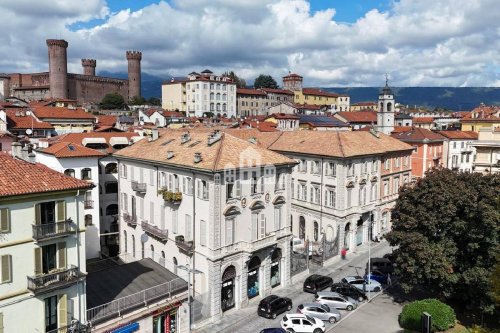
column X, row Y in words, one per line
column 190, row 271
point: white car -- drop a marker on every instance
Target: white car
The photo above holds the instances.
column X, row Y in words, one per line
column 299, row 323
column 362, row 284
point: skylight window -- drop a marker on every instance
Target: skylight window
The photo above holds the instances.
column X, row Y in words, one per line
column 71, row 148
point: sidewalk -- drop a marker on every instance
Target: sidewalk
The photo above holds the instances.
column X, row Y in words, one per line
column 234, row 318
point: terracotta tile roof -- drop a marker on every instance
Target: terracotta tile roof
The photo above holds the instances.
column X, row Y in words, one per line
column 483, row 113
column 398, row 129
column 423, row 120
column 173, row 114
column 309, row 106
column 326, row 143
column 18, row 177
column 51, row 112
column 245, row 91
column 77, row 138
column 278, row 91
column 318, row 92
column 104, row 120
column 263, row 126
column 228, row 152
column 459, row 135
column 418, row 134
column 67, row 150
column 359, row 116
column 17, row 119
column 282, row 116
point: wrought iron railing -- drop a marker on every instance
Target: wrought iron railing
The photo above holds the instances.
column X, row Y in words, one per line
column 183, row 245
column 161, row 234
column 139, row 187
column 53, row 280
column 74, row 327
column 52, row 230
column 130, row 219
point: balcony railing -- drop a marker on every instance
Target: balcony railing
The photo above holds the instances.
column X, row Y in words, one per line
column 185, row 246
column 75, row 327
column 161, row 234
column 88, row 204
column 52, row 230
column 173, row 197
column 139, row 187
column 54, row 280
column 130, row 219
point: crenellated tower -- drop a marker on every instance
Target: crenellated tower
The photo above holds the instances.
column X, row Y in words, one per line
column 89, row 66
column 134, row 73
column 58, row 68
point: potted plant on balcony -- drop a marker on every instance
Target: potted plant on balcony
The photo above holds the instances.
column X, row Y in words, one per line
column 173, row 197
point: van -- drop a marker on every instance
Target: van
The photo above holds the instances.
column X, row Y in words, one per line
column 383, row 265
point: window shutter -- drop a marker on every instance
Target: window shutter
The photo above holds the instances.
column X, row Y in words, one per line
column 262, row 181
column 6, row 268
column 162, row 219
column 61, row 251
column 61, row 210
column 63, row 310
column 38, row 260
column 238, row 189
column 255, row 221
column 276, row 219
column 4, row 220
column 38, row 214
column 262, row 225
column 132, row 173
column 203, row 232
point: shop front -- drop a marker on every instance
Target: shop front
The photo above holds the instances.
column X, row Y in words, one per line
column 275, row 268
column 227, row 289
column 166, row 322
column 253, row 277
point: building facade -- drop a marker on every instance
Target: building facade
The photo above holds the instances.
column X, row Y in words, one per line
column 251, row 102
column 458, row 150
column 487, row 151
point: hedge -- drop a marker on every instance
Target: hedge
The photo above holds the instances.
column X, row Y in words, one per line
column 443, row 316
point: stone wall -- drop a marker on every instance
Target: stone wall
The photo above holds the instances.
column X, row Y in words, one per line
column 86, row 88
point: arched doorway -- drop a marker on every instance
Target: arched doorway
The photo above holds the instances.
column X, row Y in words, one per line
column 302, row 227
column 275, row 268
column 253, row 277
column 347, row 235
column 227, row 289
column 359, row 232
column 329, row 233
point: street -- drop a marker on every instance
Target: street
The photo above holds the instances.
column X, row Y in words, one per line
column 247, row 321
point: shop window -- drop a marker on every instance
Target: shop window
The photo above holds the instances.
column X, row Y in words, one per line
column 253, row 277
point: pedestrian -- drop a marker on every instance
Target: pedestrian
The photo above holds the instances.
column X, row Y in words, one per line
column 343, row 253
column 389, row 282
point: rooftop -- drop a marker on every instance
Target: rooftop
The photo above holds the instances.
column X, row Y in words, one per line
column 78, row 138
column 245, row 91
column 359, row 116
column 418, row 134
column 277, row 91
column 459, row 135
column 52, row 112
column 68, row 150
column 18, row 119
column 423, row 120
column 318, row 92
column 320, row 121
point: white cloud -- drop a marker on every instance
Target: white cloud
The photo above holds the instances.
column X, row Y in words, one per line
column 419, row 42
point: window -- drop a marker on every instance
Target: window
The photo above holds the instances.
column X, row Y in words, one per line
column 6, row 268
column 111, row 187
column 365, row 167
column 133, row 245
column 302, row 191
column 124, row 171
column 69, row 172
column 255, row 227
column 202, row 189
column 86, row 174
column 396, row 185
column 229, row 231
column 384, row 220
column 203, row 233
column 406, row 160
column 125, row 202
column 187, row 228
column 397, row 162
column 362, row 195
column 262, row 226
column 387, row 164
column 375, row 165
column 152, row 212
column 455, row 145
column 316, row 231
column 4, row 220
column 350, row 169
column 112, row 209
column 152, row 252
column 303, row 166
column 111, row 168
column 330, row 198
column 373, row 195
column 316, row 194
column 386, row 188
column 51, row 313
column 277, row 217
column 316, row 167
column 253, row 183
column 175, row 227
column 349, row 197
column 88, row 220
column 151, row 177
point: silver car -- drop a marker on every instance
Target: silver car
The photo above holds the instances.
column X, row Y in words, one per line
column 320, row 311
column 335, row 300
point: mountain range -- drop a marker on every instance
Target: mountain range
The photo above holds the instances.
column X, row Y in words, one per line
column 450, row 98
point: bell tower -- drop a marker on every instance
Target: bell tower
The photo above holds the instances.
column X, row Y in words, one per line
column 385, row 112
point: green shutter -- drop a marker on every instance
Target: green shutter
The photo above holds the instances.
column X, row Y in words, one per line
column 38, row 260
column 61, row 210
column 63, row 311
column 6, row 268
column 38, row 214
column 4, row 220
column 61, row 251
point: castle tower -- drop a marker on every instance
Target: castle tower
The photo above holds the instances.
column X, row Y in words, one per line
column 385, row 113
column 134, row 73
column 89, row 66
column 58, row 68
column 292, row 82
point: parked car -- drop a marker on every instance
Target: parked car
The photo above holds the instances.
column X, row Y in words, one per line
column 273, row 305
column 273, row 330
column 302, row 323
column 377, row 276
column 346, row 289
column 320, row 311
column 381, row 264
column 362, row 284
column 317, row 282
column 335, row 300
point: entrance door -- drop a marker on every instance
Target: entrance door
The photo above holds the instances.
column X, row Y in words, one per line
column 359, row 233
column 227, row 295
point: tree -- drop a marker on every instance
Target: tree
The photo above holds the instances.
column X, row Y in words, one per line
column 154, row 101
column 446, row 229
column 240, row 82
column 265, row 81
column 112, row 101
column 137, row 100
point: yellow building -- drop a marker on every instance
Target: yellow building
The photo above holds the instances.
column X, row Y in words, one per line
column 481, row 117
column 487, row 159
column 314, row 96
column 364, row 106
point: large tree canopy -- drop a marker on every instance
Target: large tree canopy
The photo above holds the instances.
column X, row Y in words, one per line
column 446, row 228
column 240, row 82
column 265, row 81
column 112, row 101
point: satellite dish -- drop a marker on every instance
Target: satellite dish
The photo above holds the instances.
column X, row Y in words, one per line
column 144, row 238
column 29, row 131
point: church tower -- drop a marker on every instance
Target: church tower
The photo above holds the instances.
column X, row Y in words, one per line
column 385, row 114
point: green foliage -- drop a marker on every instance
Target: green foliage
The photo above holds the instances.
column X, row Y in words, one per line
column 240, row 82
column 171, row 196
column 495, row 281
column 112, row 101
column 443, row 316
column 154, row 101
column 265, row 81
column 446, row 230
column 137, row 100
column 479, row 329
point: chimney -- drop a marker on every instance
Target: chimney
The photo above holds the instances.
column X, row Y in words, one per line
column 170, row 154
column 16, row 149
column 197, row 157
column 154, row 134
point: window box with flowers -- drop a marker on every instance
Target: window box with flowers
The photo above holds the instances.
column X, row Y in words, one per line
column 169, row 196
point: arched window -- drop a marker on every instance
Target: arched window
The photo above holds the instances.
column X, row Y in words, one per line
column 212, row 107
column 88, row 220
column 152, row 252
column 224, row 107
column 133, row 246
column 218, row 107
column 111, row 168
column 389, row 107
column 86, row 174
column 217, row 97
column 161, row 260
column 224, row 97
column 302, row 227
column 316, row 231
column 69, row 172
column 112, row 209
column 125, row 241
column 212, row 96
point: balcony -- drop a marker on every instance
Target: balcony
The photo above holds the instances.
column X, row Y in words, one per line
column 139, row 187
column 52, row 230
column 74, row 327
column 130, row 219
column 172, row 197
column 55, row 280
column 186, row 247
column 88, row 204
column 154, row 231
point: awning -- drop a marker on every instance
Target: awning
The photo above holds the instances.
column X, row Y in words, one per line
column 118, row 140
column 127, row 328
column 86, row 141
